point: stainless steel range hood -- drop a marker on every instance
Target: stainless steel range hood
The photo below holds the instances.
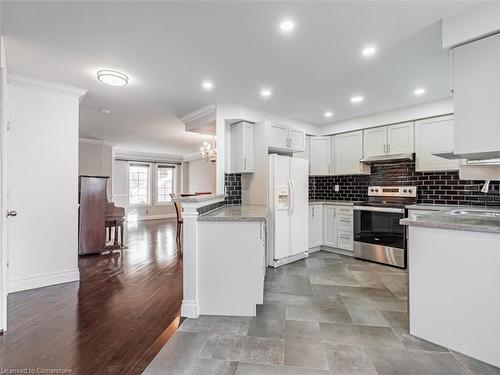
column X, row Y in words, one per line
column 475, row 156
column 392, row 157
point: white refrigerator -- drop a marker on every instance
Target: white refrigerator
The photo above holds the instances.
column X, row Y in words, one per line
column 288, row 200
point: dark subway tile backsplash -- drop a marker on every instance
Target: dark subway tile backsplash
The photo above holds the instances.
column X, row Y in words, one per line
column 432, row 187
column 233, row 188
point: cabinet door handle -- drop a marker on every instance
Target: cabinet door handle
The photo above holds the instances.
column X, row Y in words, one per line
column 345, row 237
column 345, row 221
column 245, row 164
column 388, row 148
column 385, row 149
column 313, row 211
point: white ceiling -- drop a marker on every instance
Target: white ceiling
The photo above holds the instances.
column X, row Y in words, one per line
column 168, row 48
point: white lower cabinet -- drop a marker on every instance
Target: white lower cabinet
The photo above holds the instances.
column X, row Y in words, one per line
column 331, row 226
column 315, row 225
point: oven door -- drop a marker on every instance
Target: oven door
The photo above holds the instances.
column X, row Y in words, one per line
column 378, row 236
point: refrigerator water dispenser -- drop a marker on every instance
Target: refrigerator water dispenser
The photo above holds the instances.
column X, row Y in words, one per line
column 282, row 197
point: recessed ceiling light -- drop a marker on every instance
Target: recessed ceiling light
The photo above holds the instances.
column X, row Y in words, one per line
column 112, row 77
column 287, row 26
column 328, row 114
column 357, row 99
column 419, row 91
column 369, row 51
column 265, row 93
column 207, row 85
column 105, row 111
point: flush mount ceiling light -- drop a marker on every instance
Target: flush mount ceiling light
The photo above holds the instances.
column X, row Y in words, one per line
column 419, row 91
column 265, row 93
column 369, row 51
column 287, row 26
column 112, row 77
column 357, row 99
column 207, row 85
column 328, row 114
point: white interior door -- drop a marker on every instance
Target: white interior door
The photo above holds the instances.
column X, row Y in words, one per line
column 299, row 236
column 42, row 233
column 3, row 187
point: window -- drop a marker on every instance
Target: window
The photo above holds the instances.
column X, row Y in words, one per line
column 138, row 187
column 164, row 183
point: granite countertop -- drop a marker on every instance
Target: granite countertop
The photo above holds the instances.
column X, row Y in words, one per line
column 236, row 212
column 480, row 222
column 199, row 198
column 442, row 207
column 336, row 203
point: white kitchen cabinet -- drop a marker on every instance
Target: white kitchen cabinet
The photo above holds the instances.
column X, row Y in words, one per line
column 375, row 141
column 285, row 138
column 319, row 156
column 306, row 154
column 329, row 226
column 400, row 138
column 476, row 81
column 434, row 135
column 242, row 147
column 315, row 225
column 388, row 140
column 348, row 151
column 297, row 139
column 278, row 136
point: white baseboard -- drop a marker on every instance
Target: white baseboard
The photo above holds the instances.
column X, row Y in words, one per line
column 44, row 280
column 190, row 309
column 157, row 217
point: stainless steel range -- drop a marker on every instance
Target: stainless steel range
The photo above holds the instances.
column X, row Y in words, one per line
column 378, row 236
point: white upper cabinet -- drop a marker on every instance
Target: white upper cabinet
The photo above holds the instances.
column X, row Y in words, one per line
column 375, row 141
column 319, row 156
column 400, row 138
column 284, row 138
column 434, row 135
column 297, row 139
column 388, row 140
column 278, row 136
column 476, row 79
column 348, row 151
column 242, row 147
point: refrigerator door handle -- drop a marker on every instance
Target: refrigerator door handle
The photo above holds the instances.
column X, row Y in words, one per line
column 291, row 197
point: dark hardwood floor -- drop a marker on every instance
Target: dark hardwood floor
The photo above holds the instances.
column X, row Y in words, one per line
column 113, row 321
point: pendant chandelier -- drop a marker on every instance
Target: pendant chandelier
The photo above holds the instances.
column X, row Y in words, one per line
column 208, row 151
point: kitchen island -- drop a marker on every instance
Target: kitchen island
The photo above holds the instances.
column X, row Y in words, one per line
column 454, row 280
column 224, row 253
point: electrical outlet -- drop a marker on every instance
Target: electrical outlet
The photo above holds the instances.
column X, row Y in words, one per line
column 337, row 188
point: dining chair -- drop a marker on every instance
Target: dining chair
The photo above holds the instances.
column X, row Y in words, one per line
column 180, row 220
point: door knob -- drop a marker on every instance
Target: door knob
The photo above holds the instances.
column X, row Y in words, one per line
column 12, row 213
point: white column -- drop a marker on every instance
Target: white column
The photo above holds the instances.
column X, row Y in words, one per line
column 190, row 307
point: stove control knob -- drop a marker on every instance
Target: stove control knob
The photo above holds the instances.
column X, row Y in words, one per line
column 404, row 191
column 376, row 190
column 372, row 190
column 409, row 191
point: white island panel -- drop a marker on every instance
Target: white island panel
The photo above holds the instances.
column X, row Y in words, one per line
column 454, row 290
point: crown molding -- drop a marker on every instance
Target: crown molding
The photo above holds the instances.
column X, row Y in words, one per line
column 21, row 81
column 192, row 157
column 95, row 142
column 200, row 113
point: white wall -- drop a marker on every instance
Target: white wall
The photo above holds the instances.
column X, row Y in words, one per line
column 43, row 183
column 201, row 176
column 95, row 158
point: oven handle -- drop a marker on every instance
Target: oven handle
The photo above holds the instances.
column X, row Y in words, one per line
column 380, row 209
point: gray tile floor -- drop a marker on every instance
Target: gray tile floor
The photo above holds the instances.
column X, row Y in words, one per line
column 328, row 314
